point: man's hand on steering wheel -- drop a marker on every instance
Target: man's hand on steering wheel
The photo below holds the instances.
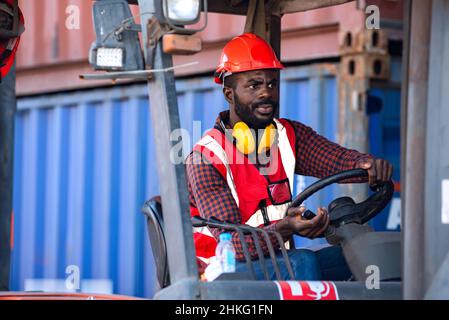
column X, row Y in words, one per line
column 379, row 170
column 312, row 228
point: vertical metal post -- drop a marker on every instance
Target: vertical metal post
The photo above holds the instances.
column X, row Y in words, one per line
column 436, row 218
column 7, row 113
column 415, row 144
column 172, row 179
column 404, row 100
column 404, row 110
column 274, row 36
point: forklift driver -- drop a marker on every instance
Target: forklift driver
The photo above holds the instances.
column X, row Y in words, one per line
column 242, row 171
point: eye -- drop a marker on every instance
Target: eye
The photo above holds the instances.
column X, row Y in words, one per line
column 252, row 86
column 272, row 85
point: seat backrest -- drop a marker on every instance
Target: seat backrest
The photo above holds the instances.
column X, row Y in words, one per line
column 155, row 224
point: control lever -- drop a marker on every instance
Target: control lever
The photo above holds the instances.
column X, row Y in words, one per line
column 308, row 214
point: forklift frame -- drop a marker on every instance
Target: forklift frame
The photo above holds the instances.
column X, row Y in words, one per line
column 419, row 264
column 185, row 283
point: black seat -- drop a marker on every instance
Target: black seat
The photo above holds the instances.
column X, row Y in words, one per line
column 155, row 224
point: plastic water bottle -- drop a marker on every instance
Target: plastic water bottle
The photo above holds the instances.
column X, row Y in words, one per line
column 225, row 253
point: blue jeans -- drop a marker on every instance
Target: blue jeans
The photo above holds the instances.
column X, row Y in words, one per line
column 325, row 264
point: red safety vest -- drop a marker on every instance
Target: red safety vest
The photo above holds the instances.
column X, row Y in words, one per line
column 248, row 186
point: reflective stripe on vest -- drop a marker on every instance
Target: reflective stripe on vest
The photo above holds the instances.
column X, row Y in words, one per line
column 204, row 230
column 274, row 212
column 287, row 154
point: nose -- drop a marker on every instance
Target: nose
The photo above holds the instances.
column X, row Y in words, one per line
column 265, row 92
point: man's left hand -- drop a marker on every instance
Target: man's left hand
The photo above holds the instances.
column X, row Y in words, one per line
column 379, row 170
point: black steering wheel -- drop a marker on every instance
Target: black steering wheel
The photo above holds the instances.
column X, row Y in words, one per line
column 345, row 210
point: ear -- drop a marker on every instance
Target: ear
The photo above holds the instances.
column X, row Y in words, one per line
column 228, row 94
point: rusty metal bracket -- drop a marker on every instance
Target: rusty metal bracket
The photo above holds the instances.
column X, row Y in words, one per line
column 155, row 31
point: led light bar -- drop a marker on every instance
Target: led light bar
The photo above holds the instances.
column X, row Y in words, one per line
column 112, row 58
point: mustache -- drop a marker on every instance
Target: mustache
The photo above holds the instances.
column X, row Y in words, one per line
column 264, row 102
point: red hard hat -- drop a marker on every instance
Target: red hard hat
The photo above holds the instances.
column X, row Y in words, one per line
column 244, row 53
column 8, row 46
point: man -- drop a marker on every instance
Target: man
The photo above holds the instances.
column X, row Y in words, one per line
column 242, row 170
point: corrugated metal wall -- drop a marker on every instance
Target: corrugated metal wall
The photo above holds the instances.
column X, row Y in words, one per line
column 85, row 163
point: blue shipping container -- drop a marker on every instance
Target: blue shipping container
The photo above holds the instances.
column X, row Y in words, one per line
column 384, row 140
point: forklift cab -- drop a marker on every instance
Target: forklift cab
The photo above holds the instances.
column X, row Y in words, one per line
column 169, row 27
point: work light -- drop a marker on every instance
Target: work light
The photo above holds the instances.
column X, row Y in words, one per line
column 105, row 58
column 179, row 13
column 117, row 46
column 182, row 11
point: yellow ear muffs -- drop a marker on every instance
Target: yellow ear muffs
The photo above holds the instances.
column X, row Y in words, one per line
column 268, row 137
column 244, row 138
column 245, row 141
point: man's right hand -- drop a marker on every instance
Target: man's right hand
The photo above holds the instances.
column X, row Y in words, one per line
column 294, row 223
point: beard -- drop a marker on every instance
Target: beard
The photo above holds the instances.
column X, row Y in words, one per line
column 246, row 112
